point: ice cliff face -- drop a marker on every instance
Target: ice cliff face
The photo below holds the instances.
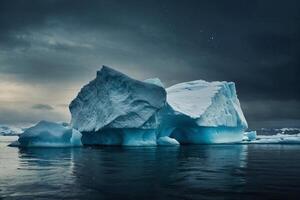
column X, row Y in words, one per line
column 115, row 109
column 114, row 100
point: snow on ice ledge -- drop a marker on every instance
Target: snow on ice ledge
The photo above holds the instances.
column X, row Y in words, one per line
column 49, row 134
column 167, row 141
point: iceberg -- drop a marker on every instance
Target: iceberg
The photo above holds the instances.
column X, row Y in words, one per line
column 49, row 134
column 275, row 131
column 275, row 139
column 250, row 135
column 203, row 112
column 114, row 109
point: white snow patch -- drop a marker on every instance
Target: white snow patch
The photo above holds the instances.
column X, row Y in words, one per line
column 167, row 141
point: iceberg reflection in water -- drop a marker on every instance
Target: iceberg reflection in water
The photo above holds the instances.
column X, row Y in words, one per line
column 172, row 172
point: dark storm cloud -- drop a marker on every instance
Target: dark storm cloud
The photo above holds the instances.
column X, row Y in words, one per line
column 42, row 107
column 253, row 43
column 27, row 117
column 261, row 111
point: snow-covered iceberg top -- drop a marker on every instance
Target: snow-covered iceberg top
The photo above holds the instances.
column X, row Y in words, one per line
column 49, row 134
column 210, row 104
column 114, row 100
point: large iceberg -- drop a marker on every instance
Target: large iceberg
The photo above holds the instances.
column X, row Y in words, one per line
column 114, row 109
column 49, row 134
column 202, row 112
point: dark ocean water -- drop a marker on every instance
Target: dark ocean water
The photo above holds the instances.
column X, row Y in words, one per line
column 254, row 171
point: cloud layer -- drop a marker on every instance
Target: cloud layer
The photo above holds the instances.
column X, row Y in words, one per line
column 49, row 49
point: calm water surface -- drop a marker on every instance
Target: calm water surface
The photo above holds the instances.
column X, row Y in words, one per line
column 185, row 172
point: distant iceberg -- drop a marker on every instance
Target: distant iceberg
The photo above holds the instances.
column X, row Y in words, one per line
column 49, row 134
column 275, row 131
column 275, row 139
column 9, row 130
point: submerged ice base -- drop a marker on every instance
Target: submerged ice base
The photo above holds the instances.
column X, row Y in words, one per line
column 207, row 135
column 126, row 137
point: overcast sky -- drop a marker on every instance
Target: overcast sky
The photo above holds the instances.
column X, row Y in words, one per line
column 50, row 48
